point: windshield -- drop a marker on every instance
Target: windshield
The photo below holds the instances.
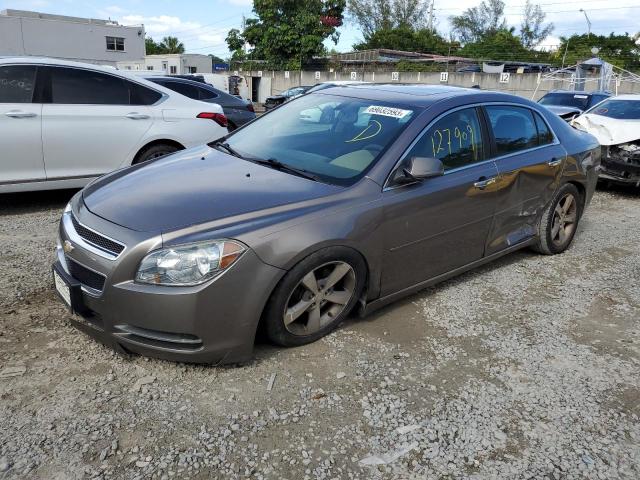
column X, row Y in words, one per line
column 619, row 109
column 576, row 100
column 336, row 139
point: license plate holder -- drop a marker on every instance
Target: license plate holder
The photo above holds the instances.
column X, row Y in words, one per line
column 68, row 289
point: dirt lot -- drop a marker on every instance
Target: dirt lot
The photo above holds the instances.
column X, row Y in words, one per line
column 526, row 368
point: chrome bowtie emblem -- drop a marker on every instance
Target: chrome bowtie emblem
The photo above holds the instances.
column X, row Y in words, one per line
column 68, row 246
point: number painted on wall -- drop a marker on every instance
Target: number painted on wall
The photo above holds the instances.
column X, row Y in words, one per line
column 317, row 75
column 395, row 76
column 504, row 77
column 286, row 74
column 444, row 76
column 354, row 75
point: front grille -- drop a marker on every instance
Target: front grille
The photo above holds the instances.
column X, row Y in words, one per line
column 96, row 239
column 85, row 276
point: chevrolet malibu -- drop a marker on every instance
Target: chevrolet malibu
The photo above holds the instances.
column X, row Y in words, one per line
column 352, row 196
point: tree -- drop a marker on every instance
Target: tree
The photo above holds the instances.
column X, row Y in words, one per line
column 407, row 39
column 374, row 15
column 285, row 33
column 500, row 45
column 532, row 30
column 171, row 45
column 620, row 50
column 479, row 22
column 151, row 47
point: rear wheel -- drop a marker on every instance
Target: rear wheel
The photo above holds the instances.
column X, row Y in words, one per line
column 559, row 221
column 315, row 296
column 155, row 151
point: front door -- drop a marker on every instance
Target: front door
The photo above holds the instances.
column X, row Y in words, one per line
column 20, row 126
column 529, row 161
column 441, row 223
column 90, row 128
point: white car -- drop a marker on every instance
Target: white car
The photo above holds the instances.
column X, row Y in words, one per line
column 63, row 124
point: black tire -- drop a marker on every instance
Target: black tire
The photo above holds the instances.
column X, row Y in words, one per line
column 154, row 152
column 549, row 242
column 274, row 315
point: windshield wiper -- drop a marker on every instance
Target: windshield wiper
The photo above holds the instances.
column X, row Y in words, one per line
column 221, row 143
column 283, row 167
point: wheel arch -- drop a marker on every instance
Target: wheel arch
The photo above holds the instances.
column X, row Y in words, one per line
column 306, row 253
column 153, row 143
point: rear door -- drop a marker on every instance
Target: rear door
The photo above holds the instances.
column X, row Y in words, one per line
column 91, row 125
column 20, row 125
column 441, row 223
column 529, row 160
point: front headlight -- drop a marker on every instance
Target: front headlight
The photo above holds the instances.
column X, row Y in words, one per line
column 190, row 264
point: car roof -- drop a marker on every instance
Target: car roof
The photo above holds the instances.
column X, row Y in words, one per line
column 580, row 92
column 416, row 95
column 87, row 66
column 195, row 83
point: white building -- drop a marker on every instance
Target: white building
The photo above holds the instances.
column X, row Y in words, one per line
column 173, row 64
column 24, row 33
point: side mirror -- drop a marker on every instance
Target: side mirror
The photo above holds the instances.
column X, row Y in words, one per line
column 420, row 168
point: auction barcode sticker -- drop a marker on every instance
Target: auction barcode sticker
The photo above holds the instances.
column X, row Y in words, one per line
column 387, row 111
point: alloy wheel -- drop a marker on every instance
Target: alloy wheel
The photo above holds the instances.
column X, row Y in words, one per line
column 564, row 221
column 319, row 297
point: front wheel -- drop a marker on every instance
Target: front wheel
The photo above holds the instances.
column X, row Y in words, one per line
column 559, row 221
column 315, row 296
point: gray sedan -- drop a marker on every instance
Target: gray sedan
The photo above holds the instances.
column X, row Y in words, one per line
column 353, row 196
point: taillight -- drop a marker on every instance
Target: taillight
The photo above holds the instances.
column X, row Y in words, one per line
column 250, row 107
column 219, row 118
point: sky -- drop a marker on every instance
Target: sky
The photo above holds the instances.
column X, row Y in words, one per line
column 202, row 25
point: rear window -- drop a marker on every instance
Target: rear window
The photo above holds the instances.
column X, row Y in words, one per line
column 17, row 83
column 575, row 100
column 206, row 94
column 618, row 109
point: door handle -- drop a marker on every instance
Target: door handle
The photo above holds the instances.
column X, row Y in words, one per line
column 554, row 162
column 483, row 182
column 20, row 114
column 137, row 116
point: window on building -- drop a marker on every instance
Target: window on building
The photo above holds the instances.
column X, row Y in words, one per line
column 149, row 67
column 173, row 69
column 193, row 69
column 16, row 83
column 115, row 44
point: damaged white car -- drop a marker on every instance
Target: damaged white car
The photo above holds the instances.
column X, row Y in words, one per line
column 616, row 124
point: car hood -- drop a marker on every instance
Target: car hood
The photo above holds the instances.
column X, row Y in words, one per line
column 608, row 131
column 563, row 110
column 192, row 187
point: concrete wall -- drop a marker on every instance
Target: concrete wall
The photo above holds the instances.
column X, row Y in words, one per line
column 529, row 85
column 69, row 40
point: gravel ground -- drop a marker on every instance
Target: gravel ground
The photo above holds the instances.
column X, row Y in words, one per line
column 526, row 368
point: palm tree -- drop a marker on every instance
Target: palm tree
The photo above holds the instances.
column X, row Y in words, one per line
column 171, row 45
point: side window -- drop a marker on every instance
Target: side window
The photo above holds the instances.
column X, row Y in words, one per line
column 17, row 83
column 183, row 89
column 206, row 94
column 545, row 137
column 75, row 86
column 513, row 128
column 142, row 95
column 455, row 139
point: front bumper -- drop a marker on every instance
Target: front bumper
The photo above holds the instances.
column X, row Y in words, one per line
column 211, row 323
column 618, row 170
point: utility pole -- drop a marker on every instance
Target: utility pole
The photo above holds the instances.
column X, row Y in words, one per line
column 588, row 22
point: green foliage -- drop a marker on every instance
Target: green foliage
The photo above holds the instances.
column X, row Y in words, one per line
column 532, row 30
column 168, row 45
column 479, row 22
column 502, row 45
column 171, row 45
column 375, row 15
column 285, row 33
column 151, row 47
column 407, row 39
column 620, row 50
